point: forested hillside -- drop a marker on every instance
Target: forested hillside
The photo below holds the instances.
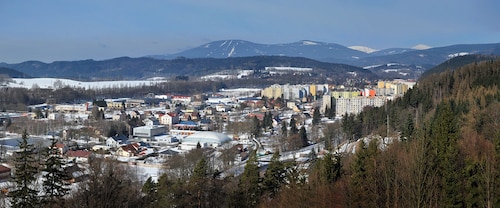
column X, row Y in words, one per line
column 449, row 155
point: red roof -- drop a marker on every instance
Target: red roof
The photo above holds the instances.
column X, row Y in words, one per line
column 131, row 147
column 4, row 169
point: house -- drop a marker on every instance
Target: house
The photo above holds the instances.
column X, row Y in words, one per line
column 151, row 121
column 100, row 104
column 128, row 150
column 4, row 172
column 61, row 148
column 116, row 141
column 166, row 154
column 169, row 119
column 78, row 155
column 206, row 125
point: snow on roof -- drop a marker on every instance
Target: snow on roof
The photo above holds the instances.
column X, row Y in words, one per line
column 208, row 137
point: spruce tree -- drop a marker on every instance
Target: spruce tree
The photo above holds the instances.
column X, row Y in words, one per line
column 445, row 135
column 199, row 184
column 24, row 194
column 293, row 126
column 284, row 130
column 275, row 175
column 53, row 183
column 303, row 136
column 249, row 185
column 316, row 116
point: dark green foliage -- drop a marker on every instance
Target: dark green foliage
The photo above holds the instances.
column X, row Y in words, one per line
column 150, row 189
column 256, row 127
column 249, row 185
column 444, row 134
column 408, row 128
column 268, row 120
column 351, row 126
column 293, row 126
column 303, row 136
column 284, row 129
column 316, row 116
column 329, row 168
column 24, row 195
column 275, row 176
column 54, row 178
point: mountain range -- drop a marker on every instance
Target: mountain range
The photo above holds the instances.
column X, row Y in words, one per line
column 335, row 53
column 223, row 55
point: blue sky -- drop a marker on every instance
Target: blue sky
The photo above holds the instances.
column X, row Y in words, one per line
column 53, row 30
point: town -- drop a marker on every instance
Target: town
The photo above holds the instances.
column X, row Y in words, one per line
column 146, row 133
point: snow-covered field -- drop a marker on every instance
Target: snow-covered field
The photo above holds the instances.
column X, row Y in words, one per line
column 54, row 83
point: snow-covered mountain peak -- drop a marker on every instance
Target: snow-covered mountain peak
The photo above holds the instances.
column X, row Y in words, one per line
column 307, row 42
column 363, row 49
column 421, row 47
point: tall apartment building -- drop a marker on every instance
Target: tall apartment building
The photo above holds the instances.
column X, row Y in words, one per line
column 355, row 105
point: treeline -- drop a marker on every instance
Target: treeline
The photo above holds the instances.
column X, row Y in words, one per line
column 20, row 98
column 449, row 153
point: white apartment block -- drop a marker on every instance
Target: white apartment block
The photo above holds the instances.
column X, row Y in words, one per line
column 356, row 104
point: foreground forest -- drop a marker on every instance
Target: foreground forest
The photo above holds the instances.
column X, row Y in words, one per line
column 448, row 156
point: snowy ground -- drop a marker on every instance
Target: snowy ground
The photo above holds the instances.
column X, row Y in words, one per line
column 56, row 82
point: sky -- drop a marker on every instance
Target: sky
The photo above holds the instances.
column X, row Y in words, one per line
column 68, row 30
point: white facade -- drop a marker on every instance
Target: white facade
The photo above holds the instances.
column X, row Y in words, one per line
column 149, row 131
column 356, row 104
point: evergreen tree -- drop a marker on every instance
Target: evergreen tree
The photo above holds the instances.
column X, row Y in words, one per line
column 303, row 136
column 53, row 183
column 408, row 128
column 256, row 128
column 250, row 182
column 24, row 194
column 150, row 189
column 363, row 191
column 293, row 126
column 275, row 175
column 316, row 116
column 445, row 135
column 284, row 130
column 198, row 185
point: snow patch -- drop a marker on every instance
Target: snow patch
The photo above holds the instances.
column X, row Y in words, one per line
column 305, row 42
column 363, row 49
column 372, row 66
column 52, row 83
column 458, row 54
column 421, row 47
column 231, row 52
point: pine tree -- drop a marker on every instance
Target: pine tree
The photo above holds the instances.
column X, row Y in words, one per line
column 150, row 189
column 303, row 136
column 250, row 182
column 284, row 130
column 408, row 128
column 199, row 184
column 444, row 132
column 24, row 194
column 316, row 116
column 256, row 127
column 293, row 126
column 53, row 183
column 275, row 176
